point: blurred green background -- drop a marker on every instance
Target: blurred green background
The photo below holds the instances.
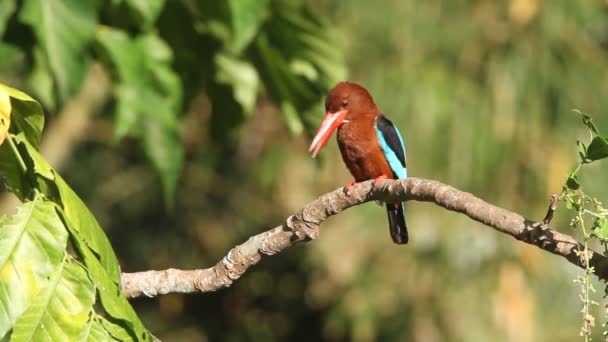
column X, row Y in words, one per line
column 184, row 126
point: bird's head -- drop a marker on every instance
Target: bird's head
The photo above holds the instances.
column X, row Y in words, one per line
column 346, row 102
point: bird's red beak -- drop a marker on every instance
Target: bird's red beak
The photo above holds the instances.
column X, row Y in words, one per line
column 328, row 126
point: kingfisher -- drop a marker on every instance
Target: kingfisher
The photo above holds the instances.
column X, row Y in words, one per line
column 371, row 146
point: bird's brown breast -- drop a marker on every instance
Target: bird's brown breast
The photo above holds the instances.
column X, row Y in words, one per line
column 360, row 150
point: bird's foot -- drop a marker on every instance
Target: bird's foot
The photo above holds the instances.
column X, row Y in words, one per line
column 379, row 179
column 348, row 186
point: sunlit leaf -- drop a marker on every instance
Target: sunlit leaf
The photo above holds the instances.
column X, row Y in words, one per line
column 32, row 245
column 95, row 331
column 598, row 149
column 114, row 303
column 91, row 242
column 5, row 114
column 64, row 29
column 116, row 331
column 600, row 228
column 27, row 115
column 81, row 219
column 58, row 312
column 76, row 211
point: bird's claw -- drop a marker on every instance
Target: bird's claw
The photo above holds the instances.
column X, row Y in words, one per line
column 379, row 179
column 348, row 186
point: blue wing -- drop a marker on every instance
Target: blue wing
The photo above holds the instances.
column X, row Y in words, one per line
column 392, row 145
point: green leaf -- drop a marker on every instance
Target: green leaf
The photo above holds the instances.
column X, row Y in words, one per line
column 10, row 56
column 598, row 149
column 61, row 310
column 79, row 217
column 146, row 11
column 114, row 303
column 246, row 17
column 27, row 115
column 117, row 332
column 241, row 77
column 41, row 80
column 20, row 182
column 7, row 7
column 569, row 203
column 64, row 30
column 92, row 243
column 76, row 211
column 234, row 23
column 600, row 228
column 582, row 151
column 32, row 246
column 149, row 96
column 95, row 331
column 572, row 183
column 588, row 121
column 298, row 60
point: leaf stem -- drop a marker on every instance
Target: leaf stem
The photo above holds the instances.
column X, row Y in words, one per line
column 16, row 152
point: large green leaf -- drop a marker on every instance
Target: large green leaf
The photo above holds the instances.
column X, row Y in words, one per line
column 27, row 115
column 61, row 310
column 114, row 303
column 76, row 211
column 90, row 240
column 93, row 235
column 597, row 149
column 64, row 30
column 32, row 246
column 149, row 96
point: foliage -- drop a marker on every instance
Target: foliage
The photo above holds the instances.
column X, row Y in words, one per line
column 231, row 50
column 61, row 278
column 49, row 292
column 481, row 90
column 587, row 208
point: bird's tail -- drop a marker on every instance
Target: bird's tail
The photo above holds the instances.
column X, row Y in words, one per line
column 396, row 222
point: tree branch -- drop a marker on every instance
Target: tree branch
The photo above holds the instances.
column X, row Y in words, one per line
column 305, row 224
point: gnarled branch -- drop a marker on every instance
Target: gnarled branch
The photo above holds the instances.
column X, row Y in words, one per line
column 305, row 226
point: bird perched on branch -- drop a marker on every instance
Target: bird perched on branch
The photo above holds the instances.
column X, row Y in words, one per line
column 371, row 146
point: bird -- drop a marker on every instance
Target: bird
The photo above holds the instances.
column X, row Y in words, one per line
column 371, row 146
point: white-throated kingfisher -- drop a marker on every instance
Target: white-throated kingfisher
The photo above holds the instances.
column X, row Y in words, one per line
column 371, row 146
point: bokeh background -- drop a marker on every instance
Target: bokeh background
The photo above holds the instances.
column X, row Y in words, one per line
column 483, row 92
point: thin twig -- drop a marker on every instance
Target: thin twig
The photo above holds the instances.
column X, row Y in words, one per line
column 550, row 210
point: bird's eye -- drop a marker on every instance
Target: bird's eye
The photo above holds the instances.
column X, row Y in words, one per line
column 344, row 103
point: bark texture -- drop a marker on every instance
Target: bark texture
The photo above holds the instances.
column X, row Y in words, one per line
column 305, row 224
